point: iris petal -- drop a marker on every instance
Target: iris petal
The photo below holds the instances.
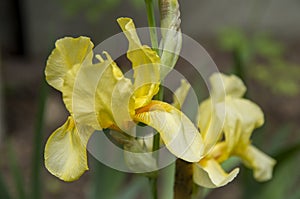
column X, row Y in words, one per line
column 181, row 93
column 176, row 130
column 145, row 63
column 101, row 95
column 210, row 174
column 65, row 151
column 226, row 85
column 261, row 163
column 210, row 124
column 242, row 117
column 67, row 53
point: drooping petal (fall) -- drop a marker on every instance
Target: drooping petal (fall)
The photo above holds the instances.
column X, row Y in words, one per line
column 68, row 86
column 65, row 151
column 242, row 117
column 209, row 123
column 178, row 133
column 261, row 163
column 210, row 174
column 181, row 93
column 224, row 85
column 67, row 53
column 145, row 63
column 101, row 95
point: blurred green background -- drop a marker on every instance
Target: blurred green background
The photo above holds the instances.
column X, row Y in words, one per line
column 257, row 40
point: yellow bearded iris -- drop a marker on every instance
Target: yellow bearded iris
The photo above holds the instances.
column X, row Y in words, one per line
column 98, row 96
column 240, row 118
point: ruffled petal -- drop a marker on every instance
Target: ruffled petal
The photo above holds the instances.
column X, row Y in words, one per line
column 261, row 163
column 210, row 124
column 67, row 53
column 223, row 85
column 242, row 117
column 204, row 115
column 210, row 174
column 101, row 95
column 65, row 151
column 145, row 63
column 68, row 86
column 181, row 93
column 176, row 130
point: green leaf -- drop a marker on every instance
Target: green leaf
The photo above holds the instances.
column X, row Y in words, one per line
column 138, row 186
column 288, row 153
column 137, row 4
column 16, row 172
column 233, row 38
column 266, row 47
column 37, row 152
column 287, row 82
column 105, row 181
column 286, row 176
column 3, row 189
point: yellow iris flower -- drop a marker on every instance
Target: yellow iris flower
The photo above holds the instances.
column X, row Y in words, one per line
column 241, row 117
column 98, row 96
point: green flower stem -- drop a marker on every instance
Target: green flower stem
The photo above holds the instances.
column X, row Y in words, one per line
column 159, row 96
column 156, row 140
column 167, row 179
column 153, row 184
column 152, row 24
column 155, row 147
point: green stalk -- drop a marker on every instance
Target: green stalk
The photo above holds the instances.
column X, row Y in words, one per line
column 159, row 96
column 155, row 147
column 154, row 42
column 153, row 184
column 38, row 140
column 168, row 179
column 152, row 24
